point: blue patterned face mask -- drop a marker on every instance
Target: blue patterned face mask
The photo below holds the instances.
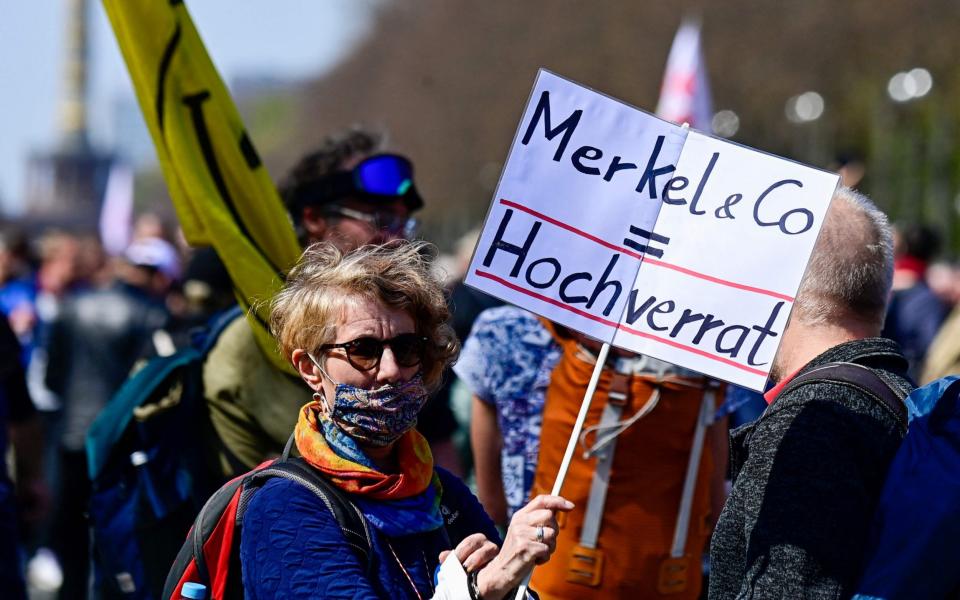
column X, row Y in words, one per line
column 376, row 417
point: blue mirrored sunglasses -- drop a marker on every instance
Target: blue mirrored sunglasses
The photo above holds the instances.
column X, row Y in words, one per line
column 384, row 174
column 378, row 178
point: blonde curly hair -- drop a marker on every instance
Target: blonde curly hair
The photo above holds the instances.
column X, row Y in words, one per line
column 326, row 280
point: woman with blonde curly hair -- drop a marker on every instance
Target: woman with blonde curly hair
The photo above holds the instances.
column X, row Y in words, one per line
column 367, row 332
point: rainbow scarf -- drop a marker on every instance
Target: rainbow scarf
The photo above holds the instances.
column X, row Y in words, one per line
column 396, row 504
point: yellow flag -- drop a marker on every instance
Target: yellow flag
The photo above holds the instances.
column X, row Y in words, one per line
column 223, row 195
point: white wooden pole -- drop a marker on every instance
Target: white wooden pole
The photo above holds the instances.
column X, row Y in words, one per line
column 572, row 442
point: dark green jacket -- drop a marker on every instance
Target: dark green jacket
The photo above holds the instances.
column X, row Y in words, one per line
column 253, row 405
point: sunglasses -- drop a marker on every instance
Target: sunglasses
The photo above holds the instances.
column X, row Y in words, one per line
column 384, row 175
column 379, row 178
column 391, row 223
column 364, row 353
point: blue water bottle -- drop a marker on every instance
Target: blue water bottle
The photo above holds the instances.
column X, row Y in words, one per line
column 193, row 591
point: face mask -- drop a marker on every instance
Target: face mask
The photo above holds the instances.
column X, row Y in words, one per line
column 376, row 417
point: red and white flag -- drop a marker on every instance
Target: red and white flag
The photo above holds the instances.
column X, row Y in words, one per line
column 685, row 94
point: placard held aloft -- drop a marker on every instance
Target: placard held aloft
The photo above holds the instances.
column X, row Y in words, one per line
column 650, row 236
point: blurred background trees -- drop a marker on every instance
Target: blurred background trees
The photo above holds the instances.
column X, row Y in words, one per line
column 813, row 80
column 448, row 79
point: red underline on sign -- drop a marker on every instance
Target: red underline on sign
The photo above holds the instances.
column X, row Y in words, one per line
column 646, row 259
column 616, row 325
column 704, row 276
column 546, row 299
column 702, row 353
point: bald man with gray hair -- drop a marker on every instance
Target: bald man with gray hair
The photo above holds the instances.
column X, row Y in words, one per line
column 808, row 473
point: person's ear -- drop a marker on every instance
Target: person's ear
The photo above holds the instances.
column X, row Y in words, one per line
column 314, row 223
column 309, row 372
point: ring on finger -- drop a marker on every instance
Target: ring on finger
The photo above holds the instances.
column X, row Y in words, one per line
column 540, row 533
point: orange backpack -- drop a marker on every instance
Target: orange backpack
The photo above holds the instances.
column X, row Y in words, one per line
column 627, row 549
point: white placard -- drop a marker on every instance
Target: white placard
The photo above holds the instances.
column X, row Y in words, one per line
column 643, row 234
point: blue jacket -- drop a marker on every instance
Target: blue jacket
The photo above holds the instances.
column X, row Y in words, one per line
column 912, row 551
column 291, row 547
column 914, row 316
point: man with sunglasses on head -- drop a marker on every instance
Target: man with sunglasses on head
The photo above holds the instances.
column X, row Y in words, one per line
column 345, row 192
column 349, row 194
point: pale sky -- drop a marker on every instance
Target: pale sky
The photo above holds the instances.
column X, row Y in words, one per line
column 281, row 38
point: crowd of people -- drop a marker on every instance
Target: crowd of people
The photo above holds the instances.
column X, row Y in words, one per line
column 397, row 363
column 79, row 321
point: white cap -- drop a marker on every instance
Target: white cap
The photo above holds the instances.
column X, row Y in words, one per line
column 157, row 253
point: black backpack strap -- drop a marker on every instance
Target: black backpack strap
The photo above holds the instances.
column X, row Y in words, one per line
column 862, row 378
column 205, row 338
column 351, row 521
column 288, row 447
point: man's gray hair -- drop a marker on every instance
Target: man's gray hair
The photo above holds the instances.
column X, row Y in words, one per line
column 851, row 267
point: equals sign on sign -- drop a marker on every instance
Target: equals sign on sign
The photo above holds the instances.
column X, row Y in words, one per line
column 649, row 237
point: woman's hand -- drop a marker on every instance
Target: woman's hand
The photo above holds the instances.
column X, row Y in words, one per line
column 474, row 552
column 530, row 540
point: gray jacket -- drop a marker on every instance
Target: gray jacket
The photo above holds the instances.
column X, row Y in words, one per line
column 807, row 475
column 93, row 344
